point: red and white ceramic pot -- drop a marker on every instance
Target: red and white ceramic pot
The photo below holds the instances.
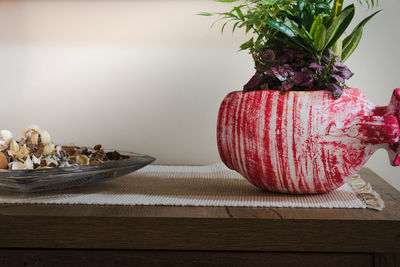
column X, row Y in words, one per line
column 304, row 142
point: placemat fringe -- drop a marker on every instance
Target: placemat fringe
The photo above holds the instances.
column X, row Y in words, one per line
column 365, row 192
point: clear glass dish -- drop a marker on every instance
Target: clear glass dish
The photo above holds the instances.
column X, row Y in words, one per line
column 26, row 181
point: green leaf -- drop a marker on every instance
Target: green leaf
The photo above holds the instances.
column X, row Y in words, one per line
column 207, row 14
column 324, row 6
column 310, row 9
column 239, row 12
column 368, row 2
column 305, row 34
column 318, row 21
column 294, row 43
column 223, row 27
column 280, row 27
column 247, row 44
column 364, row 21
column 350, row 43
column 319, row 37
column 226, row 1
column 338, row 26
column 306, row 18
column 292, row 25
column 235, row 25
column 301, row 4
column 248, row 27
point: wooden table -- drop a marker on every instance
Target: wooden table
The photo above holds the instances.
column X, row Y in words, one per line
column 89, row 235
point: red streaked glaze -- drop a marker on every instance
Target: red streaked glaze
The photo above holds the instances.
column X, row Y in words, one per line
column 304, row 142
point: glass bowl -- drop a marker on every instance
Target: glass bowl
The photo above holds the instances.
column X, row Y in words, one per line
column 38, row 180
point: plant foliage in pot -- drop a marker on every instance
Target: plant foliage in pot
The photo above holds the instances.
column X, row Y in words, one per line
column 296, row 127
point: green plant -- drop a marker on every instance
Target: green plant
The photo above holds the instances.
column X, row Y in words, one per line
column 313, row 29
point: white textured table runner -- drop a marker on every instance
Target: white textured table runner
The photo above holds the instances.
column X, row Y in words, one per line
column 212, row 185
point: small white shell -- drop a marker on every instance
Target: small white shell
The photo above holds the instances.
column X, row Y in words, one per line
column 16, row 165
column 30, row 129
column 28, row 163
column 6, row 136
column 82, row 160
column 45, row 137
column 48, row 149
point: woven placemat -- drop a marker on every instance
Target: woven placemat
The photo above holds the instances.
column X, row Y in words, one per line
column 211, row 185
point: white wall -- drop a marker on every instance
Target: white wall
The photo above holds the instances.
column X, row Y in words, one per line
column 148, row 76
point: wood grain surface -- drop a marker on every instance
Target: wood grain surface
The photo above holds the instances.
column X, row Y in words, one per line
column 206, row 228
column 67, row 258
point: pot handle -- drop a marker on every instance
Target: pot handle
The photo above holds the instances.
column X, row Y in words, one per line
column 392, row 110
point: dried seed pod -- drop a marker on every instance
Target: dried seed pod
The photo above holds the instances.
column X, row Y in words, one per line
column 82, row 160
column 45, row 137
column 14, row 147
column 97, row 147
column 34, row 138
column 70, row 150
column 30, row 129
column 49, row 149
column 3, row 161
column 28, row 163
column 71, row 159
column 39, row 150
column 16, row 165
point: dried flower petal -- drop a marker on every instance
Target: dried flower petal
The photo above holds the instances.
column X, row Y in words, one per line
column 34, row 138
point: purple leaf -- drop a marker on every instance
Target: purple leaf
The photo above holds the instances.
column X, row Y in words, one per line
column 287, row 86
column 268, row 55
column 283, row 58
column 277, row 74
column 298, row 77
column 253, row 84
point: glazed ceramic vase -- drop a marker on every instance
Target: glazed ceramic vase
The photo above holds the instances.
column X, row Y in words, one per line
column 304, row 142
